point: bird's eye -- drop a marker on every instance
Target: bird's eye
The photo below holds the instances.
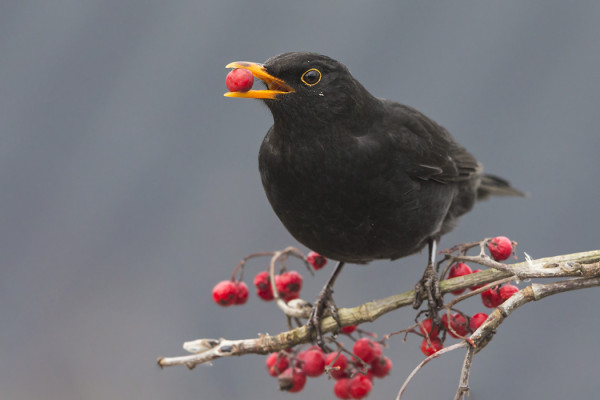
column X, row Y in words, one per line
column 311, row 77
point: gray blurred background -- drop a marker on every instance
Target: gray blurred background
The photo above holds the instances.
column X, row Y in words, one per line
column 130, row 185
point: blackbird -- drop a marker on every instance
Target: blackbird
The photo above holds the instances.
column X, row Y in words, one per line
column 357, row 178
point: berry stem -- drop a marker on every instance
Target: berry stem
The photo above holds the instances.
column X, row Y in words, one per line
column 243, row 261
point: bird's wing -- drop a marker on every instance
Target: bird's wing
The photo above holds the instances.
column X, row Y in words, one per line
column 429, row 150
column 454, row 166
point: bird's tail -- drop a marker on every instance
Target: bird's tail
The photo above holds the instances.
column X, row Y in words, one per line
column 492, row 185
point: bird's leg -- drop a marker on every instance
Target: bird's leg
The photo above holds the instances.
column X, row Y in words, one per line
column 324, row 301
column 430, row 283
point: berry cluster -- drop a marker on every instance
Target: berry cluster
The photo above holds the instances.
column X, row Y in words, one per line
column 497, row 295
column 288, row 285
column 354, row 372
column 226, row 293
column 353, row 375
column 460, row 325
column 457, row 326
column 492, row 297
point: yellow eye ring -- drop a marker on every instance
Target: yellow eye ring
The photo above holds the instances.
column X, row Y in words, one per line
column 312, row 79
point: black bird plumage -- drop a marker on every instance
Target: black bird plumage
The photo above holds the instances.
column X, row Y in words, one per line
column 354, row 177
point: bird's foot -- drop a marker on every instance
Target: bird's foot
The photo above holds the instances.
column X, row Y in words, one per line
column 323, row 303
column 430, row 285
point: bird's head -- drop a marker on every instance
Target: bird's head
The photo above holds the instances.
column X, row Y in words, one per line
column 306, row 86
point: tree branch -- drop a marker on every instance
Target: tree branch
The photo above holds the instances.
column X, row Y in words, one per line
column 482, row 336
column 533, row 292
column 585, row 266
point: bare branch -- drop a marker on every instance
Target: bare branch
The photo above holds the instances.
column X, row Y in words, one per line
column 533, row 292
column 585, row 266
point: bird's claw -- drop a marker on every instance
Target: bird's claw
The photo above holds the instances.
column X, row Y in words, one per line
column 324, row 302
column 430, row 284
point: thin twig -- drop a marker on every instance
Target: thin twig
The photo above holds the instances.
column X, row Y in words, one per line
column 245, row 259
column 425, row 361
column 295, row 312
column 475, row 292
column 483, row 259
column 463, row 386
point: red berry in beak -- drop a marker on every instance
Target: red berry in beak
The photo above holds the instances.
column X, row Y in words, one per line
column 239, row 80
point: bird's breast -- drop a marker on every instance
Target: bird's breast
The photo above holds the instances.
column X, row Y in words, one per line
column 342, row 201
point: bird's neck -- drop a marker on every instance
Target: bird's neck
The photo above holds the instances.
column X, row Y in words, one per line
column 354, row 115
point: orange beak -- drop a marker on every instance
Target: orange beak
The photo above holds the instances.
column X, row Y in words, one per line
column 275, row 85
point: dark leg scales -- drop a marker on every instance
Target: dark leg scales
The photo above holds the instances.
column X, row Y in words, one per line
column 430, row 284
column 324, row 302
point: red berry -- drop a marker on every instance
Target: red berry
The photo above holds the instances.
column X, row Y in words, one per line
column 366, row 349
column 476, row 286
column 288, row 285
column 316, row 260
column 477, row 320
column 360, row 386
column 314, row 363
column 292, row 380
column 241, row 293
column 436, row 345
column 491, row 298
column 239, row 80
column 224, row 293
column 458, row 323
column 262, row 282
column 500, row 248
column 507, row 291
column 459, row 269
column 292, row 281
column 291, row 296
column 276, row 363
column 381, row 367
column 300, row 356
column 337, row 367
column 340, row 389
column 348, row 329
column 427, row 326
column 266, row 295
